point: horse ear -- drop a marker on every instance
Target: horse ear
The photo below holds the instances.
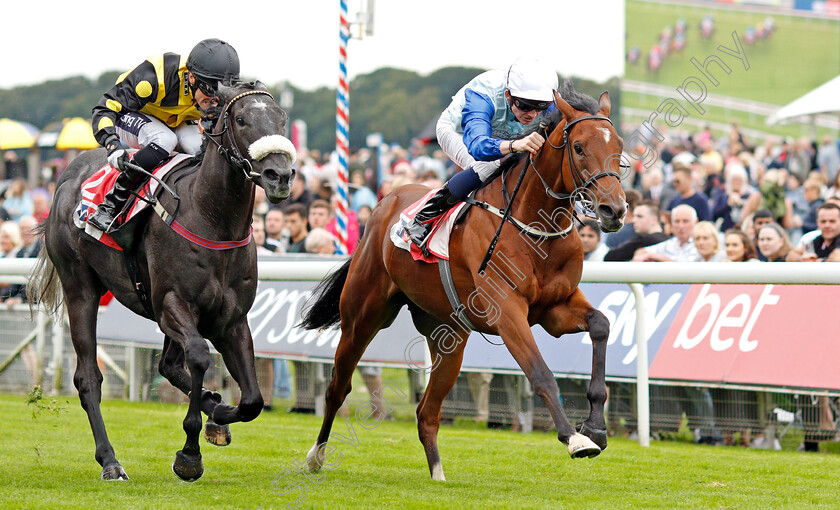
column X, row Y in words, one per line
column 564, row 107
column 604, row 103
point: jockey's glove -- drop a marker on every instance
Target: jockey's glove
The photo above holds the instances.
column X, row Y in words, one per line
column 117, row 154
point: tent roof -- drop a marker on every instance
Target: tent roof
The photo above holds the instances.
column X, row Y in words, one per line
column 823, row 99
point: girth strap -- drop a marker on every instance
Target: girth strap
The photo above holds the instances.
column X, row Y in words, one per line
column 452, row 294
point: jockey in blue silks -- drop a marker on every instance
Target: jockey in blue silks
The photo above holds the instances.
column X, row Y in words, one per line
column 495, row 114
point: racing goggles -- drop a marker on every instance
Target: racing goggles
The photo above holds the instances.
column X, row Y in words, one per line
column 527, row 105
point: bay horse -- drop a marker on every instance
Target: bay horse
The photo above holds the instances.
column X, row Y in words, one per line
column 194, row 292
column 534, row 281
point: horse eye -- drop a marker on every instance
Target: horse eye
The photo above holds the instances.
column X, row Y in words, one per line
column 240, row 121
column 578, row 149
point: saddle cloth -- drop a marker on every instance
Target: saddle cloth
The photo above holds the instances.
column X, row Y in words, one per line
column 438, row 243
column 100, row 183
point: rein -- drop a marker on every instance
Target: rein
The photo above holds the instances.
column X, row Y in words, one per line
column 236, row 160
column 575, row 196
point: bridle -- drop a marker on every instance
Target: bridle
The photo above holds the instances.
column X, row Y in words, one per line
column 233, row 155
column 580, row 184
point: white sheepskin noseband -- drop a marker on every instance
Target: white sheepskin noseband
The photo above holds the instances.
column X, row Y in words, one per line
column 270, row 145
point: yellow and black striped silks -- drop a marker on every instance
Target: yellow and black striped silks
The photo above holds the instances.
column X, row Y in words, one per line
column 158, row 87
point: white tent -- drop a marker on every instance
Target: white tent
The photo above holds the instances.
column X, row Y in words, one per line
column 823, row 99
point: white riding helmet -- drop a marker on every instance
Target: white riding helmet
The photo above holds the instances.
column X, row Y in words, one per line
column 531, row 79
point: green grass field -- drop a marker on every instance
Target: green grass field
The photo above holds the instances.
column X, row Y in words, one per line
column 803, row 53
column 47, row 462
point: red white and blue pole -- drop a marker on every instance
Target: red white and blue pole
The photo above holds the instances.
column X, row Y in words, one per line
column 342, row 131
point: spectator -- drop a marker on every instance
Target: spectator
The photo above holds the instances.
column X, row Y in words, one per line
column 31, row 246
column 364, row 214
column 295, row 222
column 276, row 239
column 352, row 225
column 590, row 237
column 319, row 214
column 40, row 205
column 18, row 200
column 10, row 243
column 648, row 232
column 759, row 219
column 655, row 189
column 773, row 242
column 707, row 241
column 680, row 247
column 811, row 192
column 739, row 247
column 834, row 189
column 798, row 161
column 727, row 206
column 826, row 246
column 320, row 241
column 626, row 232
column 258, row 231
column 362, row 195
column 686, row 194
column 771, row 196
column 828, row 159
column 300, row 193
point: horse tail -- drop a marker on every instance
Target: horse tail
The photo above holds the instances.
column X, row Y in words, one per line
column 324, row 312
column 44, row 285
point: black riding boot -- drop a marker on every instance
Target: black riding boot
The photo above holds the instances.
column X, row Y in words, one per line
column 419, row 228
column 128, row 181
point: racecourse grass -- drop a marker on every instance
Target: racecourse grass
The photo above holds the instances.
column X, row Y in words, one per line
column 47, row 462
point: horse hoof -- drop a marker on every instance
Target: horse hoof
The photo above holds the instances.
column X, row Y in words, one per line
column 114, row 473
column 598, row 436
column 186, row 469
column 581, row 446
column 315, row 458
column 215, row 434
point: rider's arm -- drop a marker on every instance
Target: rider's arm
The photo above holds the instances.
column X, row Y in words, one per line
column 475, row 121
column 130, row 94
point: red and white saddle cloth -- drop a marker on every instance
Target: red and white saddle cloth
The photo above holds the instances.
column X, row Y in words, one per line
column 100, row 183
column 438, row 243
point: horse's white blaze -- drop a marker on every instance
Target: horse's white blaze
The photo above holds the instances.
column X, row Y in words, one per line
column 437, row 473
column 315, row 458
column 262, row 105
column 270, row 145
column 579, row 442
column 606, row 134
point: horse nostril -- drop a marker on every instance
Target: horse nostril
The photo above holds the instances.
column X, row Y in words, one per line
column 270, row 175
column 607, row 212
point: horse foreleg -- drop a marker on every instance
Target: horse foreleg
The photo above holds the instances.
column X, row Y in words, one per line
column 444, row 373
column 177, row 322
column 82, row 310
column 574, row 316
column 519, row 340
column 172, row 368
column 237, row 350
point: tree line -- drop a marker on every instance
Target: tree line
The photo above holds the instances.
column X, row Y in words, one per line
column 395, row 102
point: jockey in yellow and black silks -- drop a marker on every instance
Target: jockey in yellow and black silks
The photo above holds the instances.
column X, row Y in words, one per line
column 155, row 108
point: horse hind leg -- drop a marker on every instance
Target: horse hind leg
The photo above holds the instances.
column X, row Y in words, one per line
column 82, row 306
column 446, row 365
column 173, row 369
column 357, row 330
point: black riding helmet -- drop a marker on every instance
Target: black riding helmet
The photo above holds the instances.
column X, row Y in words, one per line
column 212, row 61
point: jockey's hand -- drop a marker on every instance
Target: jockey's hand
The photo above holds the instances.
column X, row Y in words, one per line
column 116, row 152
column 530, row 143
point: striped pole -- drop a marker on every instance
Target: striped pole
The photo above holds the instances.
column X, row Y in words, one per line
column 342, row 131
